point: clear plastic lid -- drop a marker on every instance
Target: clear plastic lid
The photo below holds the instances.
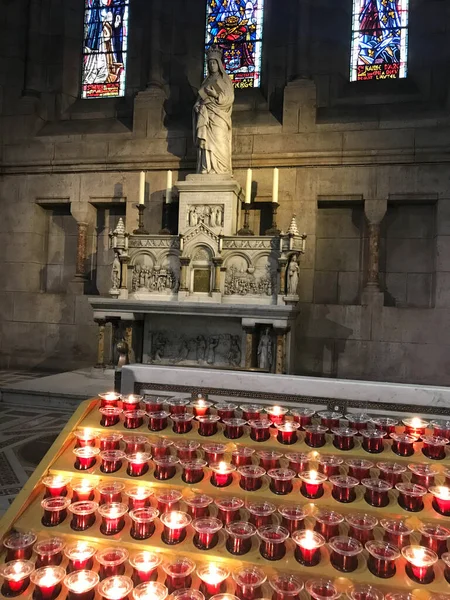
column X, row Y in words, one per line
column 411, row 489
column 261, row 509
column 134, row 414
column 19, row 540
column 181, row 567
column 115, row 588
column 207, row 525
column 187, row 594
column 249, row 577
column 113, row 510
column 328, row 517
column 436, row 532
column 222, row 468
column 111, row 487
column 139, row 492
column 175, row 519
column 344, row 481
column 229, row 504
column 81, row 582
column 56, row 481
column 312, row 477
column 83, row 508
column 80, row 551
column 393, row 468
column 163, row 443
column 55, row 504
column 150, row 590
column 169, row 497
column 307, row 539
column 112, row 455
column 16, row 570
column 47, row 576
column 240, row 529
column 362, row 591
column 145, row 560
column 132, row 398
column 198, row 500
column 275, row 534
column 111, row 411
column 419, row 556
column 288, row 426
column 260, row 423
column 361, row 521
column 293, row 512
column 144, row 515
column 382, row 550
column 212, row 573
column 396, row 526
column 377, row 485
column 86, row 452
column 112, row 557
column 347, row 546
column 286, row 585
column 281, row 474
column 322, row 589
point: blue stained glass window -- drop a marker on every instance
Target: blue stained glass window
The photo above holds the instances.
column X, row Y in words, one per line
column 379, row 39
column 105, row 48
column 236, row 26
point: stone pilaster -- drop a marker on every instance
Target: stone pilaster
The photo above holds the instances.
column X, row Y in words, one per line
column 282, row 262
column 81, row 250
column 249, row 347
column 218, row 262
column 374, row 212
column 280, row 351
column 184, row 263
column 100, row 343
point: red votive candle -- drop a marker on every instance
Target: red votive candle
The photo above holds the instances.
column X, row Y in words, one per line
column 112, row 561
column 226, row 410
column 239, row 540
column 249, row 581
column 55, row 511
column 228, row 509
column 83, row 489
column 403, row 444
column 241, row 457
column 361, row 526
column 83, row 515
column 158, row 420
column 200, row 407
column 322, row 589
column 213, row 578
column 49, row 552
column 330, row 419
column 55, row 485
column 434, row 446
column 303, row 416
column 434, row 537
column 137, row 463
column 269, row 460
column 160, row 447
column 206, row 532
column 214, row 453
column 145, row 565
column 327, row 523
column 153, row 403
column 178, row 406
column 168, row 501
column 298, row 461
column 181, row 423
column 441, row 428
column 80, row 556
column 85, row 437
column 396, row 532
column 112, row 517
column 260, row 430
column 86, row 458
column 115, row 588
column 251, row 412
column 150, row 590
column 165, row 467
column 131, row 402
column 344, row 488
column 272, row 541
column 446, row 560
column 330, row 465
column 133, row 419
column 193, row 470
column 344, row 438
column 109, row 399
column 344, row 552
column 234, row 428
column 207, row 425
column 143, row 523
column 287, row 433
column 80, row 585
column 415, row 426
column 186, row 449
column 47, row 582
column 386, row 424
column 315, row 436
column 198, row 505
column 361, row 591
column 110, row 416
column 423, row 474
column 175, row 524
column 359, row 468
column 391, row 472
column 110, row 492
column 251, row 477
column 109, row 441
column 16, row 575
column 410, row 496
column 358, row 421
column 419, row 563
column 382, row 557
column 19, row 546
column 307, row 547
column 260, row 513
column 292, row 517
column 376, row 492
column 286, row 587
column 178, row 574
column 312, row 484
column 222, row 474
column 111, row 461
column 281, row 481
column 441, row 499
column 372, row 440
column 276, row 414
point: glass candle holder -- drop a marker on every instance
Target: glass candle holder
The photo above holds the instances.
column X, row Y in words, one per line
column 307, row 547
column 415, row 426
column 86, row 458
column 200, row 407
column 228, row 509
column 110, row 492
column 16, row 576
column 178, row 406
column 434, row 446
column 83, row 489
column 403, row 444
column 441, row 499
column 251, row 477
column 269, row 460
column 330, row 419
column 112, row 517
column 83, row 515
column 197, row 505
column 361, row 591
column 158, row 420
column 226, row 410
column 249, row 581
column 376, row 492
column 186, row 449
column 361, row 526
column 207, row 425
column 206, row 532
column 143, row 523
column 446, row 560
column 214, row 453
column 359, row 468
column 276, row 414
column 423, row 474
column 328, row 523
column 391, row 472
column 272, row 541
column 153, row 403
column 109, row 399
column 112, row 561
column 165, row 467
column 386, row 424
column 222, row 474
column 344, row 438
column 281, row 481
column 55, row 511
column 410, row 496
column 160, row 447
column 298, row 461
column 182, row 423
column 115, row 588
column 330, row 465
column 344, row 552
column 358, row 421
column 213, row 577
column 396, row 532
column 315, row 436
column 110, row 416
column 109, row 441
column 178, row 574
column 175, row 524
column 260, row 513
column 145, row 566
column 240, row 535
column 137, row 463
column 434, row 537
column 168, row 501
column 80, row 585
column 372, row 440
column 292, row 517
column 322, row 589
column 193, row 470
column 111, row 461
column 19, row 546
column 80, row 556
column 344, row 488
column 287, row 433
column 303, row 416
column 133, row 419
column 49, row 552
column 251, row 412
column 312, row 484
column 47, row 582
column 286, row 587
column 55, row 485
column 147, row 589
column 234, row 428
column 150, row 590
column 382, row 558
column 241, row 456
column 131, row 401
column 260, row 430
column 419, row 563
column 441, row 428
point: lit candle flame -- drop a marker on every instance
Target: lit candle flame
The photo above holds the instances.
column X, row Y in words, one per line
column 276, row 410
column 175, row 520
column 444, row 493
column 313, row 475
column 214, row 575
column 82, row 584
column 48, row 579
column 223, row 467
column 111, row 396
column 308, row 542
column 418, row 557
column 145, row 562
column 416, row 422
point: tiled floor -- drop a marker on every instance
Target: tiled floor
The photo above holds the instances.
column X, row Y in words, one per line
column 9, row 377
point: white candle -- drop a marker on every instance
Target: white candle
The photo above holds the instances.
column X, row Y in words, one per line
column 142, row 188
column 169, row 186
column 248, row 187
column 276, row 177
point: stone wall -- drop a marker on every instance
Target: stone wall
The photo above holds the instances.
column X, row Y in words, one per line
column 354, row 159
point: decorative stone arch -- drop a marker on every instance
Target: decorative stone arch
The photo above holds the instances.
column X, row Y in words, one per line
column 238, row 254
column 140, row 254
column 201, row 268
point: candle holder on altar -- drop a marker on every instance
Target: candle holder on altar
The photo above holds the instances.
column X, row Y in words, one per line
column 358, row 421
column 112, row 517
column 112, row 561
column 287, row 433
column 181, row 422
column 286, row 587
column 298, row 461
column 198, row 505
column 134, row 443
column 165, row 467
column 207, row 532
column 251, row 412
column 187, row 594
column 234, row 428
column 361, row 526
column 434, row 537
column 150, row 590
column 115, row 588
column 19, row 546
column 260, row 430
column 292, row 517
column 168, row 501
column 131, row 401
column 441, row 428
column 403, row 444
column 47, row 582
column 55, row 511
column 344, row 438
column 312, row 484
column 261, row 513
column 446, row 560
column 242, row 456
column 80, row 556
column 80, row 585
column 186, row 449
column 175, row 524
column 200, row 407
column 213, row 578
column 434, row 446
column 222, row 474
column 86, row 458
column 372, row 440
column 193, row 470
column 269, row 459
column 376, row 492
column 307, row 547
column 330, row 419
column 133, row 419
column 396, row 532
column 272, row 541
column 207, row 425
column 109, row 441
column 344, row 488
column 178, row 574
column 322, row 589
column 137, row 463
column 249, row 581
column 276, row 414
column 153, row 403
column 330, row 465
column 361, row 591
column 344, row 552
column 111, row 461
column 328, row 523
column 16, row 576
column 226, row 410
column 240, row 535
column 110, row 492
column 359, row 468
column 441, row 499
column 85, row 437
column 415, row 426
column 110, row 416
column 303, row 416
column 423, row 474
column 251, row 477
column 281, row 481
column 315, row 436
column 214, row 453
column 158, row 420
column 419, row 563
column 143, row 523
column 178, row 406
column 109, row 399
column 55, row 485
column 410, row 496
column 83, row 515
column 386, row 424
column 391, row 472
column 228, row 509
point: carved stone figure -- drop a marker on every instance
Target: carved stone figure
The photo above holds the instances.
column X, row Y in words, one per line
column 265, row 355
column 159, row 344
column 153, row 279
column 115, row 272
column 183, row 351
column 293, row 274
column 193, row 217
column 240, row 282
column 234, row 355
column 213, row 342
column 212, row 117
column 201, row 348
column 218, row 216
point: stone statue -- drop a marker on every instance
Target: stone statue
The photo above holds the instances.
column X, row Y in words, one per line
column 212, row 117
column 218, row 213
column 293, row 274
column 115, row 273
column 234, row 355
column 213, row 342
column 201, row 348
column 265, row 351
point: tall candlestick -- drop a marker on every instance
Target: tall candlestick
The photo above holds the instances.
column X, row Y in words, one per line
column 142, row 188
column 276, row 179
column 248, row 187
column 169, row 185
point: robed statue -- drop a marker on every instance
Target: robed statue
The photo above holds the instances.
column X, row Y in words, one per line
column 212, row 117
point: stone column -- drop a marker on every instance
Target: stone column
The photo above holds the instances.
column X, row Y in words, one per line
column 282, row 262
column 81, row 250
column 100, row 344
column 218, row 262
column 280, row 351
column 123, row 293
column 184, row 263
column 249, row 347
column 374, row 211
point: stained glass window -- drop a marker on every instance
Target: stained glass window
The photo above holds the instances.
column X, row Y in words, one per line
column 236, row 26
column 380, row 39
column 105, row 48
